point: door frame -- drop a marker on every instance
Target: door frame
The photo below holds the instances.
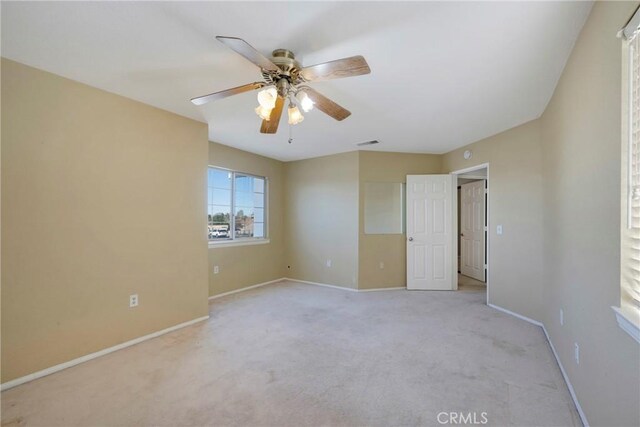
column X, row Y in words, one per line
column 487, row 220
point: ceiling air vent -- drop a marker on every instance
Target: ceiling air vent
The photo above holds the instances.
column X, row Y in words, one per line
column 362, row 144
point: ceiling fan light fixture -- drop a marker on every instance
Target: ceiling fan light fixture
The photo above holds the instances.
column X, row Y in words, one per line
column 267, row 97
column 284, row 78
column 263, row 113
column 305, row 102
column 295, row 116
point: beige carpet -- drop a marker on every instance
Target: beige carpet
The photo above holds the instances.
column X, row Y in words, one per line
column 299, row 355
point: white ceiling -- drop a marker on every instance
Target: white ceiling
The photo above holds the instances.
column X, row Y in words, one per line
column 443, row 74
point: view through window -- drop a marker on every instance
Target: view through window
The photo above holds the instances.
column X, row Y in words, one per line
column 236, row 205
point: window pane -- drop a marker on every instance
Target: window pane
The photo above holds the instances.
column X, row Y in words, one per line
column 258, row 185
column 218, row 196
column 259, row 215
column 244, row 183
column 258, row 200
column 249, row 206
column 219, row 222
column 258, row 229
column 244, row 222
column 219, row 202
column 219, row 178
column 244, row 200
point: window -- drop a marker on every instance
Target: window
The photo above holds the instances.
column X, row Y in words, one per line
column 628, row 315
column 236, row 206
column 631, row 238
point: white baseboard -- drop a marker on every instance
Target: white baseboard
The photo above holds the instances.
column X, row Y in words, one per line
column 583, row 417
column 342, row 288
column 396, row 288
column 82, row 359
column 519, row 316
column 246, row 288
column 326, row 285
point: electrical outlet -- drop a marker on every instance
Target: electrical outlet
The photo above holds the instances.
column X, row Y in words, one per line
column 381, row 265
column 328, row 263
column 576, row 352
column 216, row 269
column 561, row 317
column 499, row 230
column 133, row 300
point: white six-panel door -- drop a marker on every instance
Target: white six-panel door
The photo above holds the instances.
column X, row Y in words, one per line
column 429, row 232
column 472, row 233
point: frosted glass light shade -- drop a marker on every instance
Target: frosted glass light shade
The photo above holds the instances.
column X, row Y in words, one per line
column 263, row 113
column 267, row 97
column 305, row 102
column 295, row 116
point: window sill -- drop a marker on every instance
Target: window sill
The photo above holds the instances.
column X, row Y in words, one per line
column 629, row 322
column 239, row 242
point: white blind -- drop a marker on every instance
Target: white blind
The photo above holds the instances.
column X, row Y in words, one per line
column 631, row 237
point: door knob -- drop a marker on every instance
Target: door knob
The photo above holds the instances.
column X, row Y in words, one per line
column 411, row 239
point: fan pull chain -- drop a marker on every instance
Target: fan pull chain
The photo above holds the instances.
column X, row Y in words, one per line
column 290, row 134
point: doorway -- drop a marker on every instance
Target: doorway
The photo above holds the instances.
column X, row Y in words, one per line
column 471, row 221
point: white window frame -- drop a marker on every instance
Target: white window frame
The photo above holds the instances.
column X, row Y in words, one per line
column 628, row 314
column 240, row 241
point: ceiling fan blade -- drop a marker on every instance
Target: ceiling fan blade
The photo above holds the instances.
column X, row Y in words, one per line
column 326, row 105
column 245, row 49
column 200, row 100
column 340, row 68
column 271, row 126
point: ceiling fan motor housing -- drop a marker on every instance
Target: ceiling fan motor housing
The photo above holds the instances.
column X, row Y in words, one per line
column 286, row 61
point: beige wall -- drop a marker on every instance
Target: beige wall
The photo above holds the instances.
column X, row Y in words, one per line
column 242, row 266
column 515, row 202
column 581, row 168
column 321, row 213
column 558, row 178
column 78, row 239
column 377, row 166
column 102, row 197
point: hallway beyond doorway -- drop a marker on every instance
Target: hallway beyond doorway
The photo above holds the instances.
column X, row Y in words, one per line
column 466, row 283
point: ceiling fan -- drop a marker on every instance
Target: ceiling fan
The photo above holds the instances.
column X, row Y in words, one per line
column 285, row 79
